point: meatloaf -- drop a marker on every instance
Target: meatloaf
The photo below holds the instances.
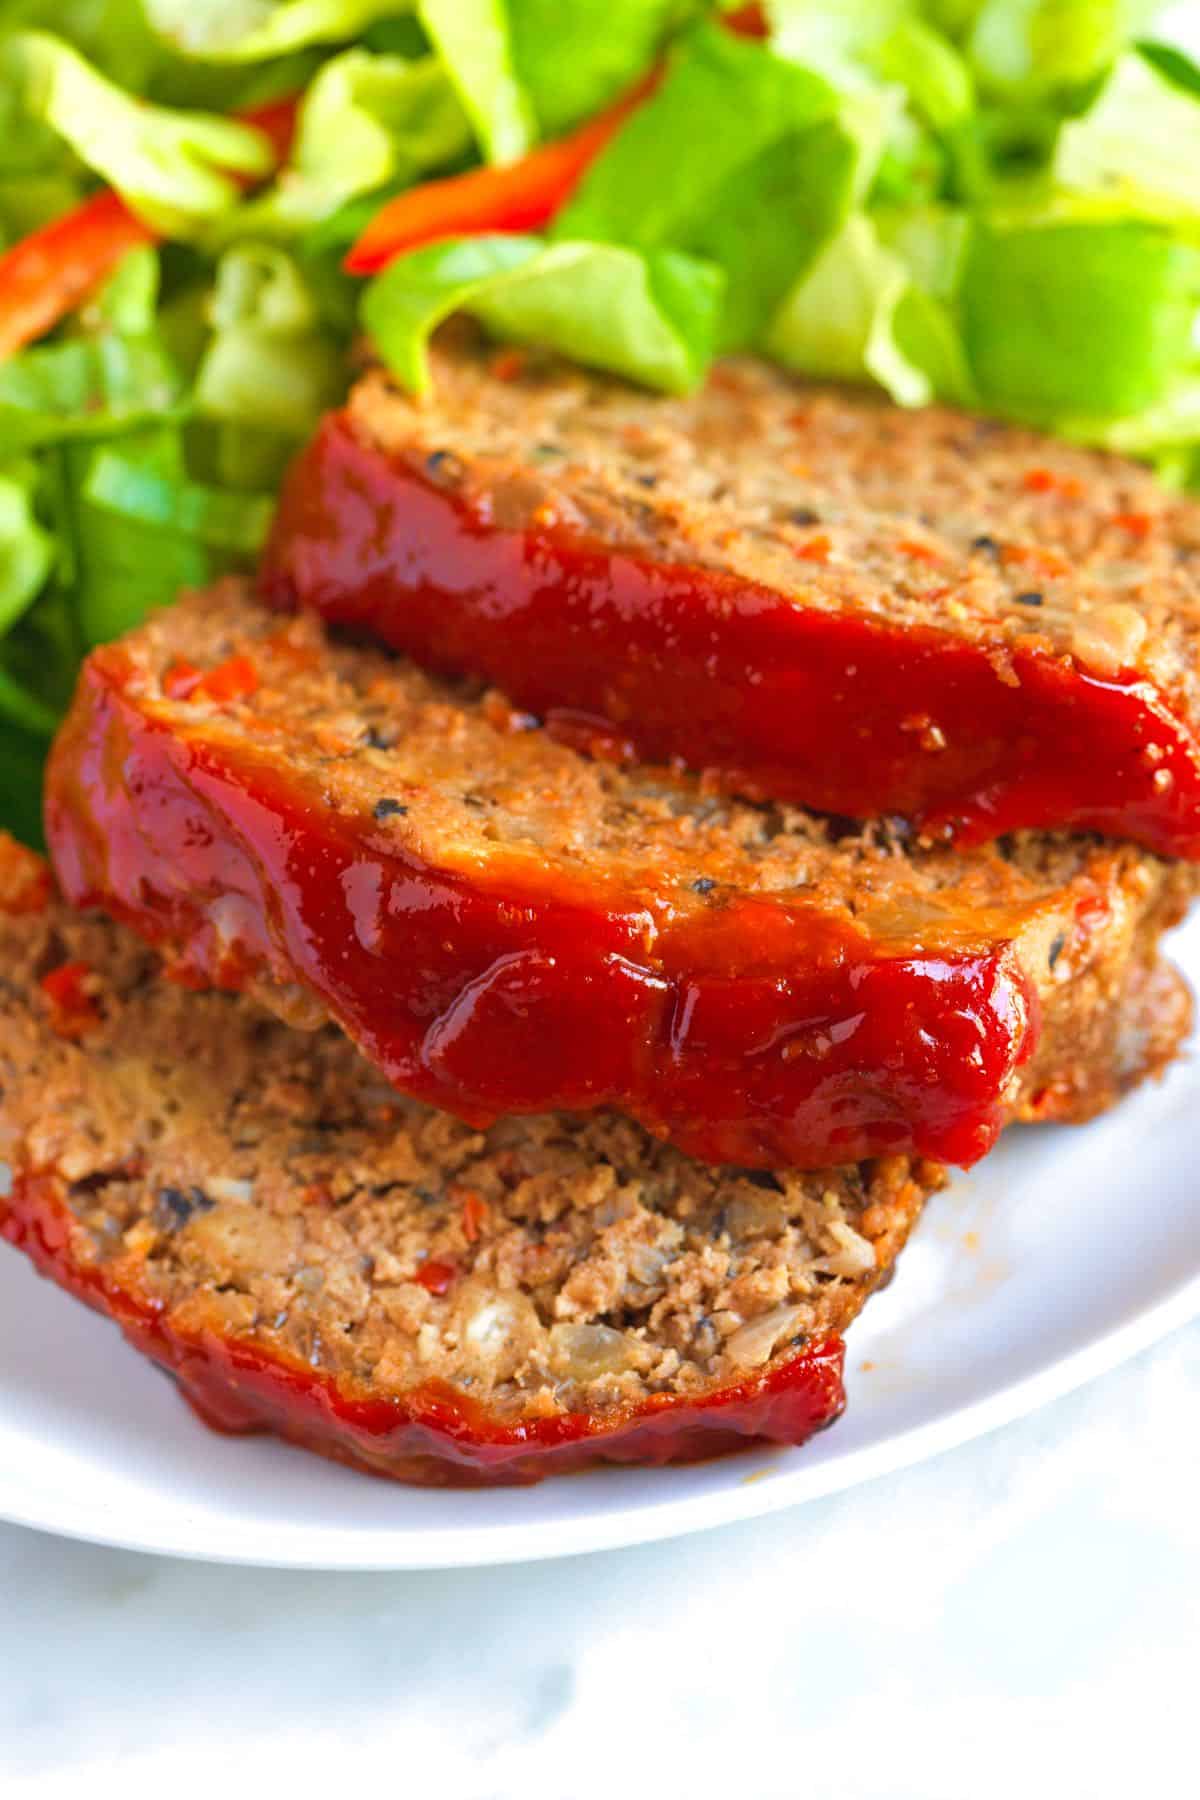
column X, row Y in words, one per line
column 812, row 595
column 506, row 926
column 307, row 1252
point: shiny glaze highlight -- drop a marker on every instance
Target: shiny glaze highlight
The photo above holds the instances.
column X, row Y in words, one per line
column 618, row 652
column 760, row 1031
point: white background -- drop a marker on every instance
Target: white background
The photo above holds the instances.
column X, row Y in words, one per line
column 1017, row 1618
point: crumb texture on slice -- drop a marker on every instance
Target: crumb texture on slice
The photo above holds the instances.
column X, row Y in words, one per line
column 744, row 474
column 805, row 593
column 268, row 1219
column 505, row 925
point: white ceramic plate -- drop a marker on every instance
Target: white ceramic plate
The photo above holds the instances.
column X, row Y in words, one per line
column 1063, row 1253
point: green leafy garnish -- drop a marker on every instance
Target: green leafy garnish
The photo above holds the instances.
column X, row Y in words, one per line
column 994, row 203
column 174, row 168
column 650, row 316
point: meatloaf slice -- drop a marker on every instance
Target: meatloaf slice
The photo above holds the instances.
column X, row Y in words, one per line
column 506, row 926
column 307, row 1252
column 815, row 596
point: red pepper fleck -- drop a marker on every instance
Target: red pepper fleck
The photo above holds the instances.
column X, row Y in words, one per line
column 436, row 1277
column 1137, row 524
column 231, row 680
column 1037, row 556
column 180, row 679
column 74, row 1009
column 474, row 1216
column 815, row 549
column 1045, row 481
column 920, row 552
column 748, row 21
column 509, row 365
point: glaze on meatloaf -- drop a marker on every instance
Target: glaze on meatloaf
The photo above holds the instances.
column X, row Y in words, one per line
column 309, row 1253
column 506, row 926
column 813, row 595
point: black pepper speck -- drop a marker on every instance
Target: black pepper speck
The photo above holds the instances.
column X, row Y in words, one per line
column 443, row 463
column 174, row 1206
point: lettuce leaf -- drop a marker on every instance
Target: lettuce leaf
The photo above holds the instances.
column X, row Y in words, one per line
column 859, row 316
column 1038, row 48
column 472, row 39
column 1173, row 64
column 173, row 168
column 1138, row 148
column 120, row 569
column 252, row 30
column 367, row 122
column 113, row 34
column 26, row 547
column 270, row 368
column 212, row 517
column 84, row 388
column 771, row 186
column 574, row 60
column 650, row 316
column 1077, row 318
column 21, row 758
column 839, row 40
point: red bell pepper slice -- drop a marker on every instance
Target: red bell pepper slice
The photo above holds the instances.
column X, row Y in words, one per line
column 47, row 274
column 519, row 196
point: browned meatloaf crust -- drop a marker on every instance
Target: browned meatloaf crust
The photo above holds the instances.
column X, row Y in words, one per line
column 816, row 596
column 506, row 926
column 307, row 1252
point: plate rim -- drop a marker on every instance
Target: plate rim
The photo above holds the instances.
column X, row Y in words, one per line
column 355, row 1549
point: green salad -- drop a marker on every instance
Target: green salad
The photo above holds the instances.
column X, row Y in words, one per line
column 203, row 205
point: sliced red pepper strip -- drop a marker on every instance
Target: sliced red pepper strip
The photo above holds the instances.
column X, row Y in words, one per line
column 519, row 196
column 748, row 21
column 277, row 122
column 50, row 272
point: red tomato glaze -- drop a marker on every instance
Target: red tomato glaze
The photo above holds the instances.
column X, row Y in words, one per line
column 843, row 714
column 434, row 1435
column 761, row 1032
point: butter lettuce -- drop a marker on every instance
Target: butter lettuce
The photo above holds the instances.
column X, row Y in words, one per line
column 1078, row 318
column 471, row 37
column 368, row 122
column 270, row 368
column 573, row 60
column 769, row 188
column 86, row 387
column 1044, row 47
column 651, row 316
column 859, row 316
column 26, row 547
column 1138, row 148
column 174, row 168
column 252, row 30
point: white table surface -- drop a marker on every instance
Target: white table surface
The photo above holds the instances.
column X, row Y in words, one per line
column 1020, row 1617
